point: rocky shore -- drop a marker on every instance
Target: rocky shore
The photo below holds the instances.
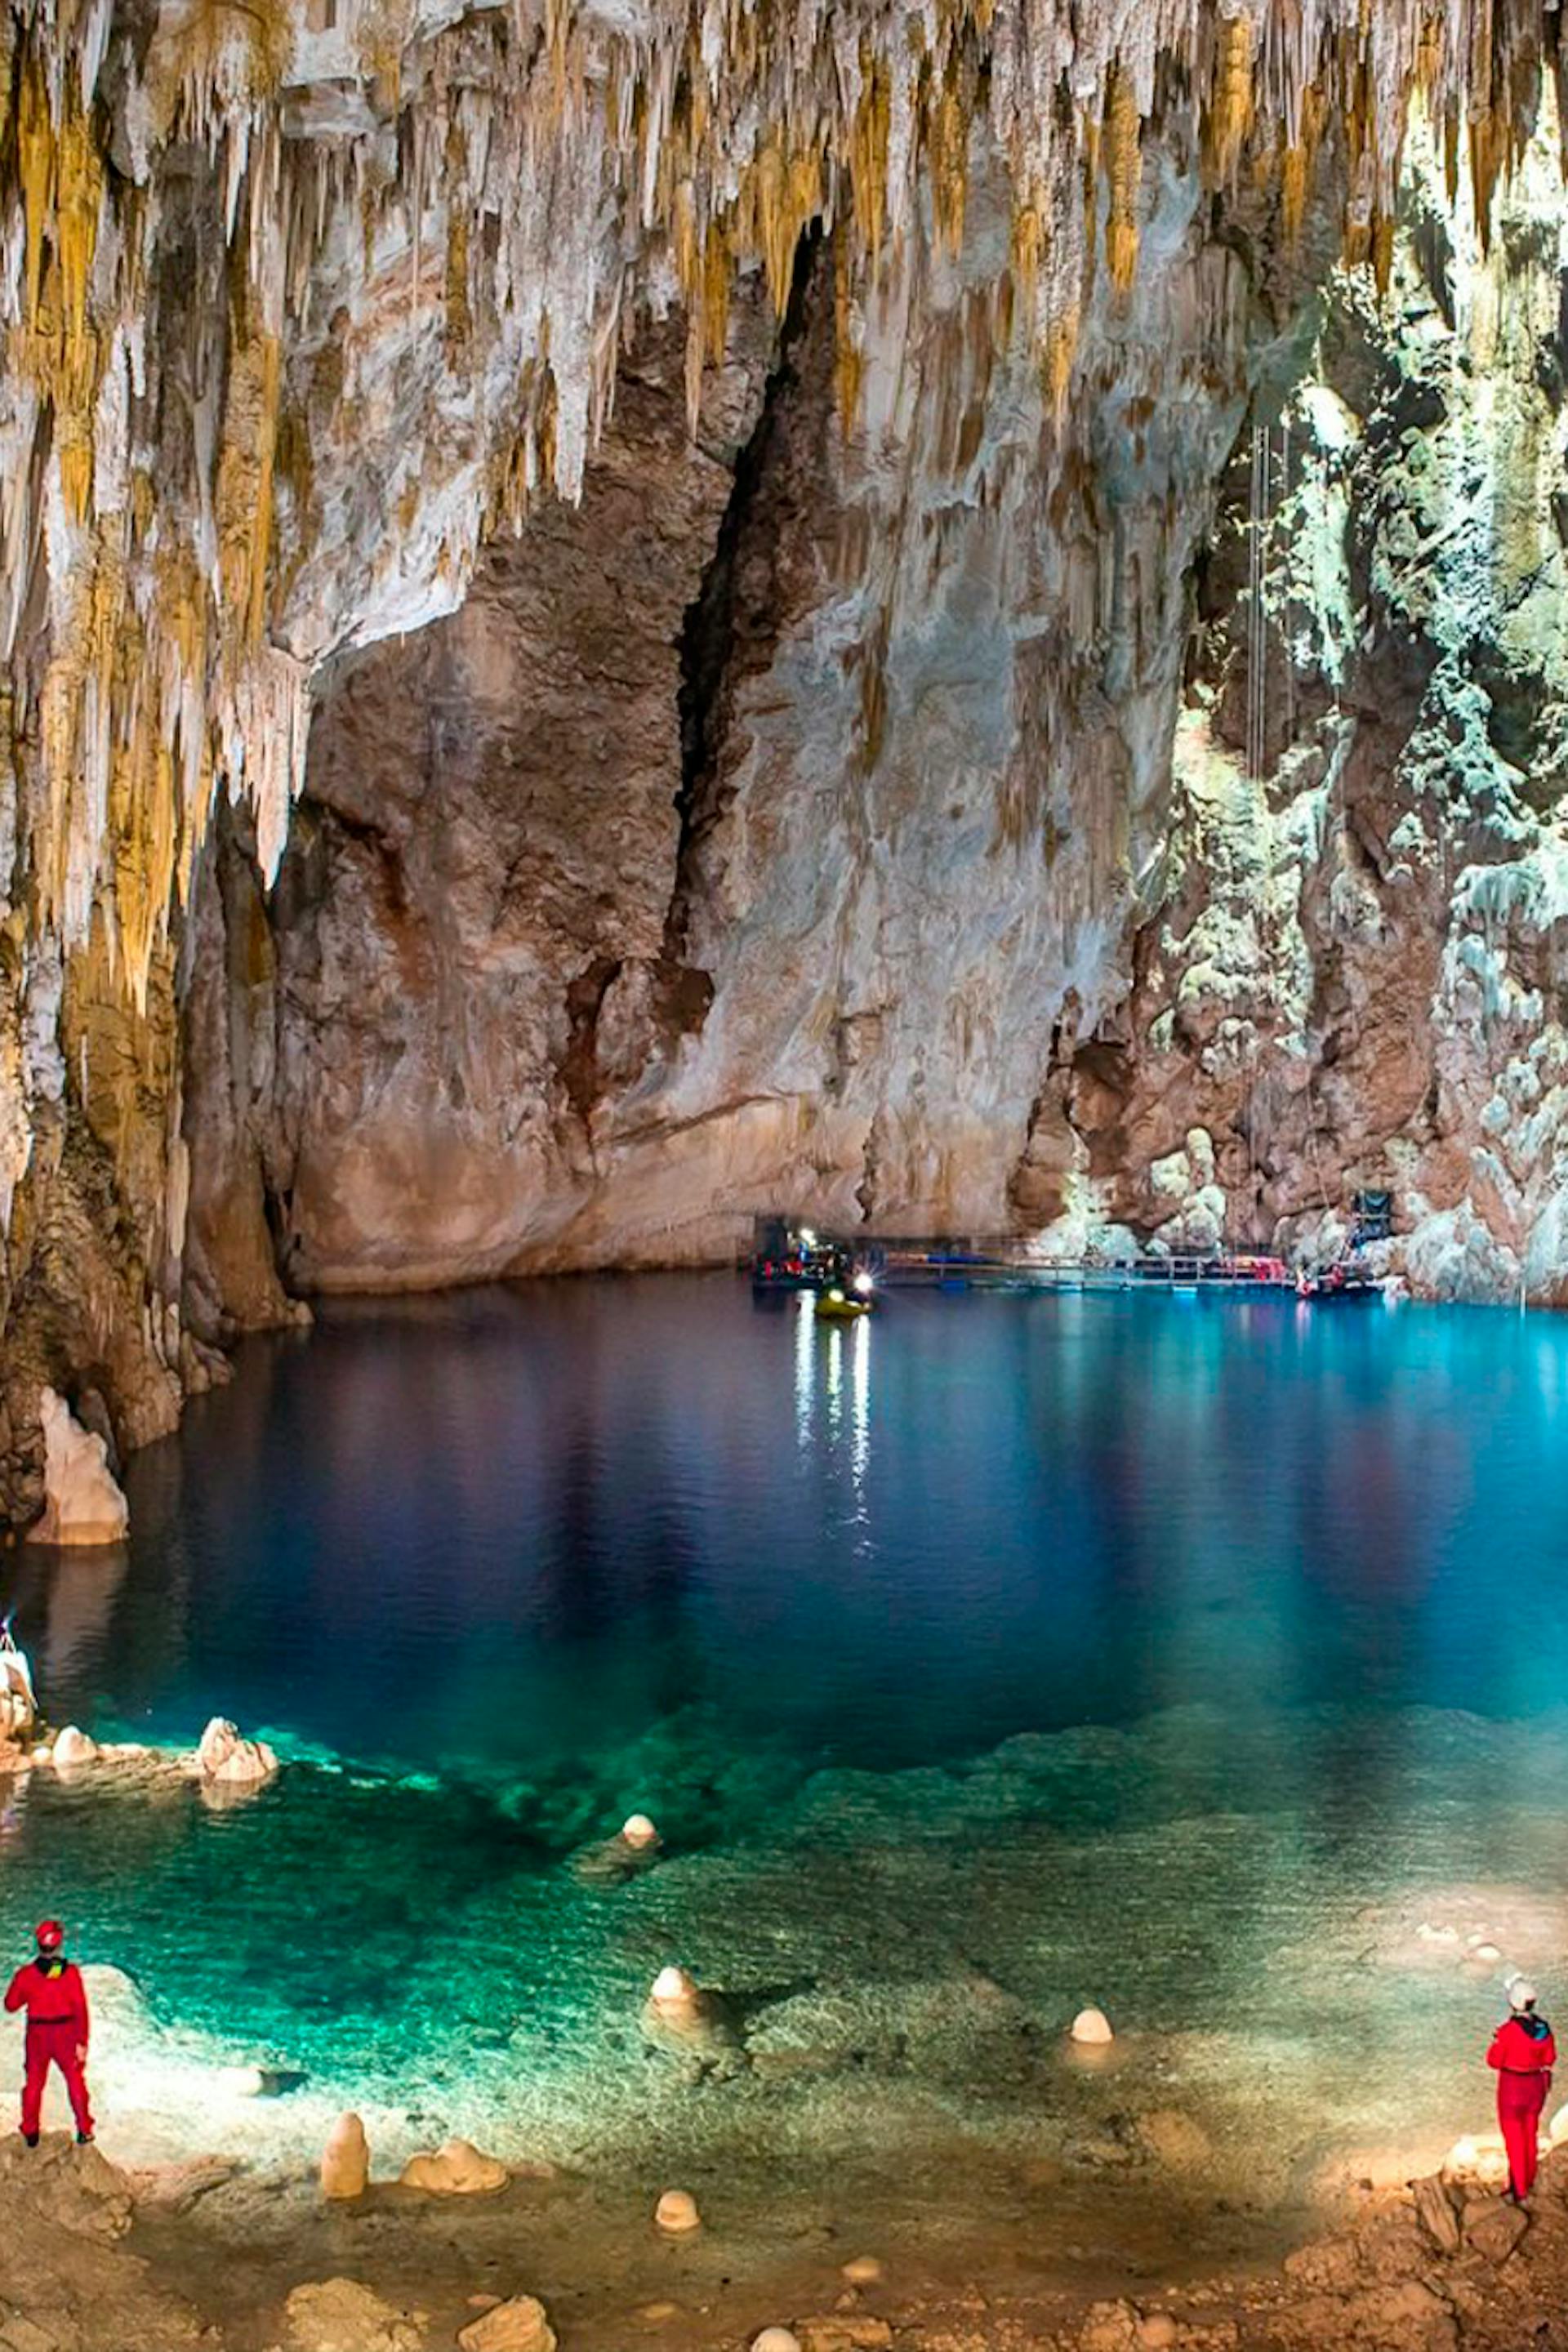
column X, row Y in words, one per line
column 98, row 2259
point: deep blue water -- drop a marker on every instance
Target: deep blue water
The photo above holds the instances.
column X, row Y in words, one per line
column 546, row 1518
column 999, row 1654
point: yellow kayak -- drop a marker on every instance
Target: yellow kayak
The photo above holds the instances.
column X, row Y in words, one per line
column 832, row 1306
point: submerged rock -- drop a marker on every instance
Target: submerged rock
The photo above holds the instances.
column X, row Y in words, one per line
column 1174, row 2140
column 82, row 1503
column 456, row 2168
column 341, row 2316
column 636, row 1847
column 680, row 2017
column 345, row 2160
column 520, row 2325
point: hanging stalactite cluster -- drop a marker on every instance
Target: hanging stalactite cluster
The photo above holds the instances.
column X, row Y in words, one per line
column 300, row 297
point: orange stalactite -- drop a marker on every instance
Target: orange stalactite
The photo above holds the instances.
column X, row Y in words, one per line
column 1123, row 163
column 1230, row 110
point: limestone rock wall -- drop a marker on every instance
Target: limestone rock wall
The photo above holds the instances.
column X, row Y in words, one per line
column 1355, row 977
column 720, row 855
column 307, row 308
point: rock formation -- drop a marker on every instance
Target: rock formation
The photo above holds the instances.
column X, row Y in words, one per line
column 457, row 2168
column 518, row 2325
column 675, row 2213
column 708, row 523
column 230, row 1761
column 341, row 2316
column 345, row 2160
column 18, row 1707
column 82, row 1503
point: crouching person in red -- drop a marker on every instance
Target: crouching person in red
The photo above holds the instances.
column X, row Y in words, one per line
column 1523, row 2054
column 51, row 1992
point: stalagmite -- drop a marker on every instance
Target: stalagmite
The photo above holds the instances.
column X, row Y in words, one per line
column 345, row 2160
column 675, row 2213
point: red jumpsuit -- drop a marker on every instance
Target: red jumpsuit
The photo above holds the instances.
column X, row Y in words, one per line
column 1523, row 2054
column 55, row 1998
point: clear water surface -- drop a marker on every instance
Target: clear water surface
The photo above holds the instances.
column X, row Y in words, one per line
column 1200, row 1658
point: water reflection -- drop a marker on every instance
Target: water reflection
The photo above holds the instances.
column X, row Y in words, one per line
column 507, row 1525
column 833, row 1399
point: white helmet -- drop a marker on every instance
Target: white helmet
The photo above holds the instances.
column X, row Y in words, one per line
column 1521, row 1993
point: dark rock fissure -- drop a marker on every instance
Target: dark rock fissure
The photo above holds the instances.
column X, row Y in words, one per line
column 709, row 630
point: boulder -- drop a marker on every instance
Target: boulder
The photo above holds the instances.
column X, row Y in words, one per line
column 176, row 2188
column 82, row 1504
column 232, row 1761
column 675, row 2213
column 60, row 2187
column 518, row 2325
column 1157, row 2332
column 1434, row 2211
column 73, row 1747
column 1092, row 2028
column 345, row 2160
column 18, row 1709
column 1479, row 2160
column 456, row 2168
column 1493, row 2227
column 1109, row 2327
column 839, row 2334
column 341, row 2316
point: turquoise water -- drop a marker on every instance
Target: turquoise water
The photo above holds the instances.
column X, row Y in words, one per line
column 1198, row 1658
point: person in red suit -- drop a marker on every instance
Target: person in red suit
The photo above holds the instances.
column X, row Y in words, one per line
column 51, row 1992
column 1523, row 2055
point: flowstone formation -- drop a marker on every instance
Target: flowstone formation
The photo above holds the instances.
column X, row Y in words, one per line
column 1354, row 977
column 307, row 309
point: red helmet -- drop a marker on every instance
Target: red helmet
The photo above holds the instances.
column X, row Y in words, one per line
column 50, row 1935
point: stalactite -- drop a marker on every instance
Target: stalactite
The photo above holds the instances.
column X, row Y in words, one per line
column 183, row 579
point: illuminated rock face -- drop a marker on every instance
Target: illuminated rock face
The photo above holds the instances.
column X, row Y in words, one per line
column 82, row 1504
column 1353, row 979
column 306, row 308
column 561, row 981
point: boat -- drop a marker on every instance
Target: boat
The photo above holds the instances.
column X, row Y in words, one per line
column 1339, row 1285
column 838, row 1306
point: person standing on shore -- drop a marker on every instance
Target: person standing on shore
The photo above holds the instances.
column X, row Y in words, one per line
column 51, row 1992
column 1523, row 2055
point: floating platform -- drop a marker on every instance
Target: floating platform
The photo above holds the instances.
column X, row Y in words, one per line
column 787, row 1259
